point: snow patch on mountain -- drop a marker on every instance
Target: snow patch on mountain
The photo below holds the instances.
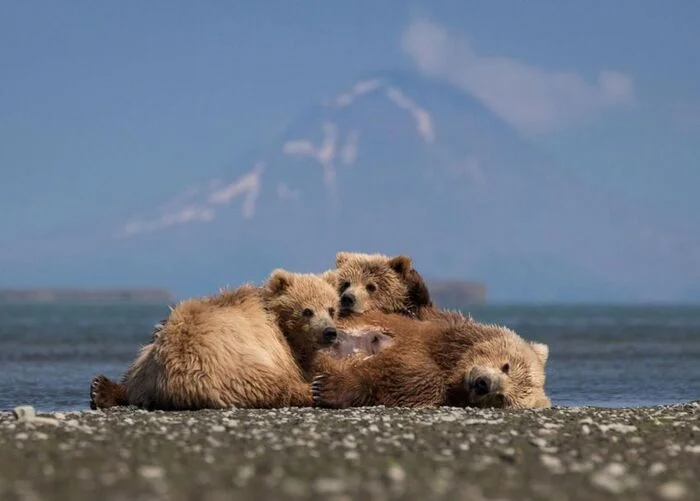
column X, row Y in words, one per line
column 423, row 120
column 182, row 210
column 324, row 154
column 348, row 154
column 360, row 88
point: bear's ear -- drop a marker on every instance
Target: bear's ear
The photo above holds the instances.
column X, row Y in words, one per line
column 542, row 351
column 418, row 293
column 401, row 264
column 330, row 276
column 278, row 281
column 341, row 258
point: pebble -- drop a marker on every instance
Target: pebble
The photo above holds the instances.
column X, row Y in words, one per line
column 553, row 463
column 619, row 427
column 329, row 486
column 656, row 469
column 151, row 472
column 673, row 490
column 27, row 414
column 396, row 473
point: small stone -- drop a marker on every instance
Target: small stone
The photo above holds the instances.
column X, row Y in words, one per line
column 553, row 463
column 24, row 413
column 551, row 426
column 672, row 490
column 540, row 443
column 396, row 473
column 246, row 472
column 329, row 486
column 151, row 472
column 619, row 427
column 657, row 468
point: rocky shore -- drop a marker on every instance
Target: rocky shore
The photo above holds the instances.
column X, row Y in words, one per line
column 365, row 453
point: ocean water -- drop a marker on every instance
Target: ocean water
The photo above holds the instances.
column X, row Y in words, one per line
column 608, row 356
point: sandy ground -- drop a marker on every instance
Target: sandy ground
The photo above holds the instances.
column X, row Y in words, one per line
column 364, row 453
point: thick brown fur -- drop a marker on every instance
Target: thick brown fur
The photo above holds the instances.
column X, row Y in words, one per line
column 376, row 282
column 447, row 360
column 246, row 347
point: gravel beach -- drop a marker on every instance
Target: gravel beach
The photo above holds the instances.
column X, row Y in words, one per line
column 369, row 453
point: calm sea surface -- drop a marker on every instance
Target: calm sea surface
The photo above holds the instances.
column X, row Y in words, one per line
column 599, row 355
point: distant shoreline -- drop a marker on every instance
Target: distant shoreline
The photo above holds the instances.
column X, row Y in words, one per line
column 456, row 293
column 63, row 295
column 445, row 293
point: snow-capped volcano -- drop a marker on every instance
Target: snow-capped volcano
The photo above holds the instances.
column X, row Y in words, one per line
column 398, row 163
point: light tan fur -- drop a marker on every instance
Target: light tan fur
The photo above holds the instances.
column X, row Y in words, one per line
column 247, row 347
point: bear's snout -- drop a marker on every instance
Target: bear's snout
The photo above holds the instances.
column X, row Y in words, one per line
column 348, row 300
column 329, row 335
column 482, row 385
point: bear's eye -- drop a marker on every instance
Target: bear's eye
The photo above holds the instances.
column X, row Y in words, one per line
column 505, row 368
column 307, row 313
column 371, row 287
column 331, row 312
column 344, row 285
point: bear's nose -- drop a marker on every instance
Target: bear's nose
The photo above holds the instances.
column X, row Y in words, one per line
column 347, row 300
column 482, row 385
column 330, row 334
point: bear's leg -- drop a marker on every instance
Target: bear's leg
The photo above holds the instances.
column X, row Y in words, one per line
column 106, row 393
column 387, row 378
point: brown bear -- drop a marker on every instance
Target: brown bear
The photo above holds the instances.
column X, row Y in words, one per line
column 449, row 360
column 376, row 282
column 246, row 347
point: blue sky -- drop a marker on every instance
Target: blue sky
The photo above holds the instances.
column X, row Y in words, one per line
column 105, row 106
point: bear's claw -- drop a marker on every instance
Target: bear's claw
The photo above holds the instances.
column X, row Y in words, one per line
column 317, row 387
column 95, row 385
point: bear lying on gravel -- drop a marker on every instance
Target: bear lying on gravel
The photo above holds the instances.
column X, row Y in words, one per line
column 247, row 347
column 447, row 360
column 260, row 347
column 375, row 282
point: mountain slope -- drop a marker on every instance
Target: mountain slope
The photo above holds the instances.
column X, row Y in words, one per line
column 398, row 163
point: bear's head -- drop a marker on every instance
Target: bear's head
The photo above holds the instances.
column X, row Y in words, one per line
column 375, row 282
column 365, row 341
column 502, row 370
column 305, row 306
